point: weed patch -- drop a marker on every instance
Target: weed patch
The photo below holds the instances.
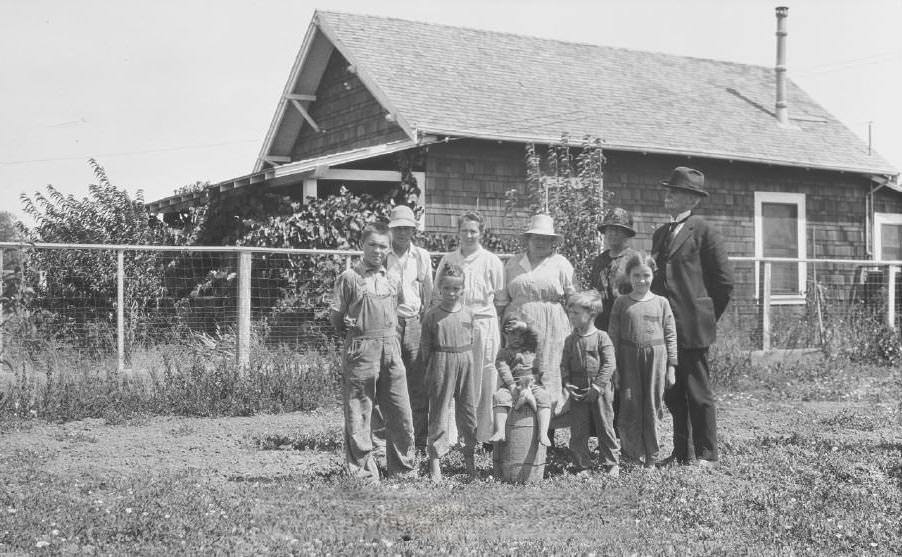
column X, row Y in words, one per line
column 186, row 383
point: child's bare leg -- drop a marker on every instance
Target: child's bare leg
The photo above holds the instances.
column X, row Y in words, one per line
column 500, row 422
column 544, row 418
column 435, row 469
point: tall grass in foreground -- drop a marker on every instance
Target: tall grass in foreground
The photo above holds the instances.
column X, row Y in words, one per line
column 60, row 384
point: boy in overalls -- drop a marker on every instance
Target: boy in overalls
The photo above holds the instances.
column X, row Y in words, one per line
column 364, row 310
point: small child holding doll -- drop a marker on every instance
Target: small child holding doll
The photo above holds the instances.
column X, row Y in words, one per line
column 521, row 380
column 643, row 331
column 446, row 348
column 587, row 370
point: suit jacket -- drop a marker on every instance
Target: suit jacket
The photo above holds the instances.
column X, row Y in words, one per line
column 695, row 276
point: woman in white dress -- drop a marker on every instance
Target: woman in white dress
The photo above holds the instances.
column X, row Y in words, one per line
column 537, row 284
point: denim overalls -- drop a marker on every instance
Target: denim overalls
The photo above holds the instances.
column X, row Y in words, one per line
column 374, row 372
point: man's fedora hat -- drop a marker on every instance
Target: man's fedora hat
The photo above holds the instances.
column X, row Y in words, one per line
column 618, row 218
column 402, row 215
column 686, row 179
column 541, row 225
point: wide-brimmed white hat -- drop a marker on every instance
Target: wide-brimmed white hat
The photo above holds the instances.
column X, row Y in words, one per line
column 402, row 215
column 541, row 225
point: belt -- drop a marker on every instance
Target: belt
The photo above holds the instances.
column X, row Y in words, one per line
column 374, row 333
column 453, row 349
column 411, row 318
column 649, row 344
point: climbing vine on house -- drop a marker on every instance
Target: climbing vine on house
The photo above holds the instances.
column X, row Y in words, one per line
column 565, row 181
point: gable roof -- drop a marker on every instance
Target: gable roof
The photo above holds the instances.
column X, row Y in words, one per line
column 451, row 81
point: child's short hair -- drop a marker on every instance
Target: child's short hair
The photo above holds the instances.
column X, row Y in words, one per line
column 589, row 300
column 373, row 228
column 450, row 271
column 640, row 258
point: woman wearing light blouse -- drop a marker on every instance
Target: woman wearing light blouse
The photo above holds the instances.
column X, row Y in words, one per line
column 483, row 279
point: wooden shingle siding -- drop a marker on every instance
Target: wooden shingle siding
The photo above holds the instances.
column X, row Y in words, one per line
column 348, row 115
column 461, row 171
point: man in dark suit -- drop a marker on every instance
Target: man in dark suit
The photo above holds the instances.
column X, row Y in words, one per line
column 694, row 275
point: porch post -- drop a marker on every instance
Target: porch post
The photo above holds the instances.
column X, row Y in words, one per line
column 310, row 188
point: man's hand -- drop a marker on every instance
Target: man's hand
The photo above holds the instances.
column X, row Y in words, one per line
column 670, row 378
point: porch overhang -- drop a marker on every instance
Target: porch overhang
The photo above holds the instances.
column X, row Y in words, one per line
column 291, row 173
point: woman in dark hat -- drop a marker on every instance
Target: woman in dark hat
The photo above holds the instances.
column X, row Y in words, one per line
column 608, row 272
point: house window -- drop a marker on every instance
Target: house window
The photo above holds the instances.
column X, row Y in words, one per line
column 780, row 232
column 888, row 236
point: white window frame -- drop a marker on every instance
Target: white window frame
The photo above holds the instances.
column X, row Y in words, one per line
column 797, row 199
column 879, row 220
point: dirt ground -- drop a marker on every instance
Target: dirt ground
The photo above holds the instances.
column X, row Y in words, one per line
column 259, row 447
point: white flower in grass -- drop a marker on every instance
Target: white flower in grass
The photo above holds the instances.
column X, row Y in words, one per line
column 42, row 543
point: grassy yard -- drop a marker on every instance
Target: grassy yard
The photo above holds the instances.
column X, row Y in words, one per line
column 811, row 464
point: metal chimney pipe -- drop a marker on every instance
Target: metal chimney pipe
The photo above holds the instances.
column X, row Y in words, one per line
column 782, row 110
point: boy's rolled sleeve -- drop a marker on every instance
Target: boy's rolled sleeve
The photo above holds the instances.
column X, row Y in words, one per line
column 608, row 364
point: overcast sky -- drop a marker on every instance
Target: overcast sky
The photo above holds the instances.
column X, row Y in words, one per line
column 165, row 93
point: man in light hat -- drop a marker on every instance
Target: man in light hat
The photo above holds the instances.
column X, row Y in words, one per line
column 412, row 268
column 694, row 275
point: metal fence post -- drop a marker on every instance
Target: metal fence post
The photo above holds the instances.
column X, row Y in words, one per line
column 120, row 310
column 244, row 307
column 891, row 275
column 765, row 306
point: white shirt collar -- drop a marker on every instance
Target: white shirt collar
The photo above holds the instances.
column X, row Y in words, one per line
column 682, row 216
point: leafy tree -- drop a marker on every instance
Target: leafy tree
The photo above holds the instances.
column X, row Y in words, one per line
column 76, row 288
column 568, row 185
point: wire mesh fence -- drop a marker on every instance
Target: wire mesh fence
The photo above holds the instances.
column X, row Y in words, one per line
column 119, row 303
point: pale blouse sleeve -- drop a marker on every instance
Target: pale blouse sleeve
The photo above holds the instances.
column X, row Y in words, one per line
column 566, row 270
column 426, row 280
column 503, row 297
column 495, row 276
column 438, row 274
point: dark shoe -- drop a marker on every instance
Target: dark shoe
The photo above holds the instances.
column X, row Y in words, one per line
column 671, row 460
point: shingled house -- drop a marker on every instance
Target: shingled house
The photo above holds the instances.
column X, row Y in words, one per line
column 787, row 178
